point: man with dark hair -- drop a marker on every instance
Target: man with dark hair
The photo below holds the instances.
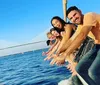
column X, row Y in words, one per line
column 71, row 8
column 89, row 66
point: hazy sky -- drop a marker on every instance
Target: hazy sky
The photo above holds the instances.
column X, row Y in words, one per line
column 22, row 20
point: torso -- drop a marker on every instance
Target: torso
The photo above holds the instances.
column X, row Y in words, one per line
column 93, row 20
column 96, row 33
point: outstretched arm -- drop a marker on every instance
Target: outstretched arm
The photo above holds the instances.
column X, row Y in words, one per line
column 77, row 40
column 50, row 49
column 73, row 43
column 66, row 35
column 49, row 56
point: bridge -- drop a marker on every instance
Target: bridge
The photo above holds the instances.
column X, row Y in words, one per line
column 23, row 48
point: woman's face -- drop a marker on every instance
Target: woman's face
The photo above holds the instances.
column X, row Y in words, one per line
column 56, row 23
column 51, row 37
column 55, row 33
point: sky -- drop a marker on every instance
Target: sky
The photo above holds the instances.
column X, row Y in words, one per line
column 24, row 21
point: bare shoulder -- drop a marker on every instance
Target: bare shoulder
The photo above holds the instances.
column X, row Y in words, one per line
column 89, row 14
column 70, row 26
column 90, row 19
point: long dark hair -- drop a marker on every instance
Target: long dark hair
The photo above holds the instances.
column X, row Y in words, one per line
column 63, row 24
column 61, row 20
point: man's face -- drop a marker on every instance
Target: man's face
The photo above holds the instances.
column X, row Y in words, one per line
column 75, row 17
column 56, row 23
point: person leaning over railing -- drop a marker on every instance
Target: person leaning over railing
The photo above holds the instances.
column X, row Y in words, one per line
column 89, row 66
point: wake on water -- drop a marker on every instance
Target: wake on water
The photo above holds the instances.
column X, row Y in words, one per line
column 66, row 82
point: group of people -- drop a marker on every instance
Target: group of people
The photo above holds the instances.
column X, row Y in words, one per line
column 77, row 42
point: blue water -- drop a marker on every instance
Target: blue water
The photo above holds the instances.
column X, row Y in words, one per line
column 30, row 69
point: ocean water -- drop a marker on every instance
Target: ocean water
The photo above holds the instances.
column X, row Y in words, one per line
column 29, row 68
